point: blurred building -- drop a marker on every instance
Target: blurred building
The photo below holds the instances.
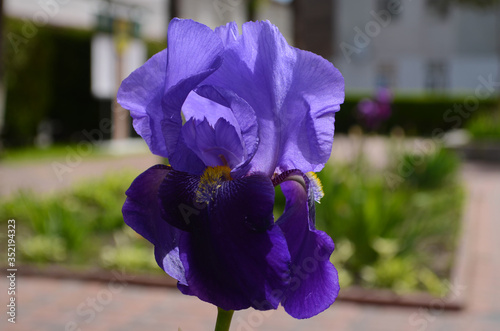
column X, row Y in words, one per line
column 152, row 14
column 415, row 47
column 410, row 46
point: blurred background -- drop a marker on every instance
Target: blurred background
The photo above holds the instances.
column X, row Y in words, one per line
column 411, row 191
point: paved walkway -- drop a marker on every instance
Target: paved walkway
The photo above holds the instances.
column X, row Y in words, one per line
column 46, row 176
column 49, row 175
column 49, row 304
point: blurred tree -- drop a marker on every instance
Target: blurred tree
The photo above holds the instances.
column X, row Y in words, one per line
column 252, row 6
column 314, row 29
column 2, row 89
column 173, row 9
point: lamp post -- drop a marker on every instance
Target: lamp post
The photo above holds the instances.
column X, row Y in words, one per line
column 121, row 120
column 116, row 51
column 2, row 86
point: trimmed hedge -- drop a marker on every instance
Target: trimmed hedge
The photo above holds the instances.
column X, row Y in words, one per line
column 421, row 115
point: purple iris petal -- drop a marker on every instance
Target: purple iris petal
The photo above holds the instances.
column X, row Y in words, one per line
column 141, row 93
column 234, row 255
column 215, row 146
column 314, row 284
column 142, row 213
column 245, row 117
column 228, row 33
column 293, row 92
column 214, row 103
column 199, row 107
column 194, row 52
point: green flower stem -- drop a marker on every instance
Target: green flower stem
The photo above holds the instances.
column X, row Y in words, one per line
column 223, row 319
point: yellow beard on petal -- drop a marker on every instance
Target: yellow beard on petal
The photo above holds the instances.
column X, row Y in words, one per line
column 211, row 181
column 316, row 186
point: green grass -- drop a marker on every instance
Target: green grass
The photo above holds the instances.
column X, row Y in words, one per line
column 33, row 154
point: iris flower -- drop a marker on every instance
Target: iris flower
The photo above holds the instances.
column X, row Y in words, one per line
column 374, row 113
column 236, row 115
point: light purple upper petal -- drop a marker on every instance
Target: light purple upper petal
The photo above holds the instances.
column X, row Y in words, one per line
column 199, row 107
column 214, row 145
column 141, row 93
column 228, row 33
column 289, row 94
column 293, row 92
column 193, row 48
column 245, row 118
column 155, row 93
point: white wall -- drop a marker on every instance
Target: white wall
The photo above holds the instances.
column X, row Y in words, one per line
column 466, row 71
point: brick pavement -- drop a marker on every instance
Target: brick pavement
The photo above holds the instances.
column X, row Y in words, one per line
column 49, row 304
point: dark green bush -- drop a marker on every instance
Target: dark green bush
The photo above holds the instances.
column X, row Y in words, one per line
column 417, row 115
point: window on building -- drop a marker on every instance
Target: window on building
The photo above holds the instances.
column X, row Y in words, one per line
column 436, row 78
column 394, row 7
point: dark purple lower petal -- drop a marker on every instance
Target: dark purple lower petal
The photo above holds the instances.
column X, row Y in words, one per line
column 234, row 255
column 141, row 212
column 314, row 284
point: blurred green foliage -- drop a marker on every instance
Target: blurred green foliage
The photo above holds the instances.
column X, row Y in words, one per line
column 402, row 238
column 33, row 154
column 430, row 170
column 485, row 126
column 83, row 225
